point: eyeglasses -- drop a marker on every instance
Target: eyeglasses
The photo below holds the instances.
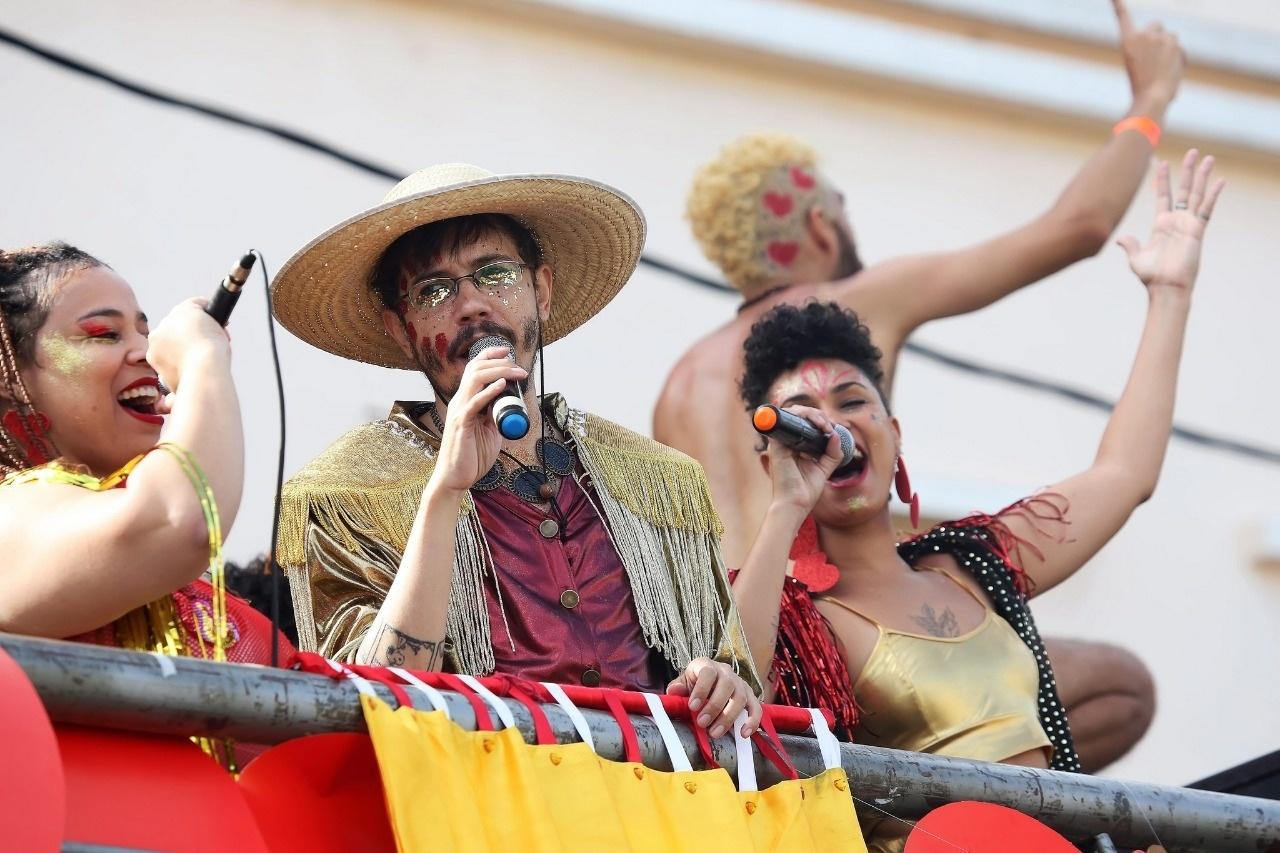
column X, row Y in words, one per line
column 490, row 278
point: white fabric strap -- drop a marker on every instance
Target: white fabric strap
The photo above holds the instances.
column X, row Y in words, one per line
column 575, row 716
column 746, row 756
column 826, row 740
column 166, row 665
column 361, row 684
column 435, row 697
column 675, row 749
column 499, row 707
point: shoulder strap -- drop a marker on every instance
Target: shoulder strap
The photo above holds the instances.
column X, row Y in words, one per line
column 946, row 574
column 855, row 611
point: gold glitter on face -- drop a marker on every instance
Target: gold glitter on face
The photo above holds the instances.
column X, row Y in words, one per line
column 63, row 356
column 857, row 502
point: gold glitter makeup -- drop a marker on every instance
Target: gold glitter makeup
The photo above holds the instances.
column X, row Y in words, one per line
column 857, row 502
column 63, row 356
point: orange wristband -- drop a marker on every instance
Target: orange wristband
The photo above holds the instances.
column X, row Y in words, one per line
column 1144, row 125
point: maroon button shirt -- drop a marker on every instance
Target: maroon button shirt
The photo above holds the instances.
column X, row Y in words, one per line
column 566, row 597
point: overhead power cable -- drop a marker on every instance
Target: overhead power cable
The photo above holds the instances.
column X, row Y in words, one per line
column 369, row 166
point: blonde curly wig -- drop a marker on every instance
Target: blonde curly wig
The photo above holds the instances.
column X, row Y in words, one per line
column 729, row 205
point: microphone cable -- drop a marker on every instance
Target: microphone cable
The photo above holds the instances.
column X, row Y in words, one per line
column 272, row 565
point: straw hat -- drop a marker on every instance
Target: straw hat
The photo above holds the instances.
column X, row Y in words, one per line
column 590, row 234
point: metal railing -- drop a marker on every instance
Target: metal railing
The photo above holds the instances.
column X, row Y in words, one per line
column 111, row 688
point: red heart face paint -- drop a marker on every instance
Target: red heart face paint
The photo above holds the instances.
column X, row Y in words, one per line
column 783, row 252
column 780, row 204
column 802, row 179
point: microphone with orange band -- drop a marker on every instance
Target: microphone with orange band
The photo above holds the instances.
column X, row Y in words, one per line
column 798, row 434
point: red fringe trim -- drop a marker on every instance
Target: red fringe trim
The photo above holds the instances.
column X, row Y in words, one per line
column 808, row 662
column 1039, row 511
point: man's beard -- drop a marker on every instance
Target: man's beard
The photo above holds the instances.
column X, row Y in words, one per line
column 847, row 264
column 432, row 367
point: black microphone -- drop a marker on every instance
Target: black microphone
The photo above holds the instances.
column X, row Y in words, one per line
column 510, row 414
column 797, row 433
column 224, row 298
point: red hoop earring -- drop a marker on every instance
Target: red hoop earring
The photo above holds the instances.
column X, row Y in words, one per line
column 902, row 482
column 31, row 432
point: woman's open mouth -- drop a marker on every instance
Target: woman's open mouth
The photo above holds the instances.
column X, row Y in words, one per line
column 851, row 474
column 140, row 399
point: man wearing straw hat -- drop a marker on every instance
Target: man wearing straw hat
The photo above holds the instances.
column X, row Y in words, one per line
column 579, row 553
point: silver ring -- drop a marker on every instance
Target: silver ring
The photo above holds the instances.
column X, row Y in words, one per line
column 1182, row 205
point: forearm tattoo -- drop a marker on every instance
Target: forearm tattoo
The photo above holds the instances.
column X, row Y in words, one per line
column 393, row 645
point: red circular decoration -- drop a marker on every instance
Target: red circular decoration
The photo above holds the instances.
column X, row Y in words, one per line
column 32, row 787
column 983, row 828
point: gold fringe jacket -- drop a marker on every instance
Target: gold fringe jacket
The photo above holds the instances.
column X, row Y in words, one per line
column 346, row 519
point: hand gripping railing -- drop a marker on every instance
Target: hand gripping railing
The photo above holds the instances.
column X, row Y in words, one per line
column 110, row 688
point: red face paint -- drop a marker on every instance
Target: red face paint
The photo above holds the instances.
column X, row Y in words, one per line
column 413, row 333
column 779, row 203
column 442, row 346
column 814, row 379
column 783, row 252
column 801, row 178
column 93, row 329
column 819, row 378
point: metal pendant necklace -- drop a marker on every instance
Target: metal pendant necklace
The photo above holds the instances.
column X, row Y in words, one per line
column 533, row 485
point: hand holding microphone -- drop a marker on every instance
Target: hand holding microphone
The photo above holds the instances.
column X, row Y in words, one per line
column 801, row 456
column 471, row 440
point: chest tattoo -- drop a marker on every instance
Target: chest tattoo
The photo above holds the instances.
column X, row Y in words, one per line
column 937, row 624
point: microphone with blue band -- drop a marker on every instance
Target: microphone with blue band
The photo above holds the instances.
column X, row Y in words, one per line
column 798, row 434
column 510, row 414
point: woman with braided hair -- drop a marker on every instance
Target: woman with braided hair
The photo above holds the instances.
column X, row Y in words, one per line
column 81, row 412
column 928, row 645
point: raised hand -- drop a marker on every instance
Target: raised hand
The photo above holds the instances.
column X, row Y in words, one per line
column 1171, row 255
column 1153, row 59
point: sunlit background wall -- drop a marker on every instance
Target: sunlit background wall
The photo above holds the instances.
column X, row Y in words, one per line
column 945, row 121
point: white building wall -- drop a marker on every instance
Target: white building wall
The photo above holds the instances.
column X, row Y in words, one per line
column 171, row 199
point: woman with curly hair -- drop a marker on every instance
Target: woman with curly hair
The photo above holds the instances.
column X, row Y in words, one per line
column 928, row 645
column 81, row 412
